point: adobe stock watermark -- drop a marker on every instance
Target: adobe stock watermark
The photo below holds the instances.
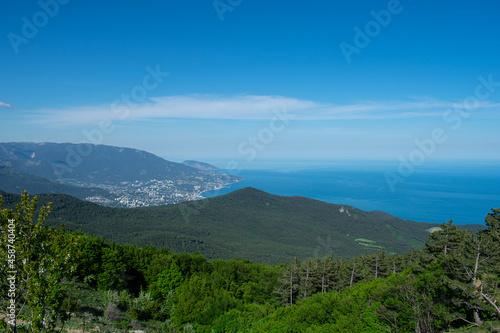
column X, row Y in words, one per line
column 373, row 28
column 454, row 119
column 191, row 208
column 255, row 144
column 30, row 27
column 223, row 6
column 250, row 148
column 326, row 245
column 121, row 107
column 11, row 272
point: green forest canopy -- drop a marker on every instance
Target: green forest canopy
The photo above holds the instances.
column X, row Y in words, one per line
column 69, row 279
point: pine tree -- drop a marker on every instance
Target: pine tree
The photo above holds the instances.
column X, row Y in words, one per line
column 305, row 283
column 315, row 275
column 470, row 264
column 288, row 286
column 489, row 286
column 329, row 274
column 446, row 240
column 353, row 272
column 340, row 274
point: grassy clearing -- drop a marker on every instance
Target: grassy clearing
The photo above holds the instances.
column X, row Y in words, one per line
column 368, row 243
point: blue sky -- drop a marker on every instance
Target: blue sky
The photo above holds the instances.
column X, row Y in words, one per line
column 253, row 80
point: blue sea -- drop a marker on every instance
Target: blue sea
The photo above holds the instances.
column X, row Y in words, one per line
column 436, row 192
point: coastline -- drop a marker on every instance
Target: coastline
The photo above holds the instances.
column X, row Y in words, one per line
column 200, row 196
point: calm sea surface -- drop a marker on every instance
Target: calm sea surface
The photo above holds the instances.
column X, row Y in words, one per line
column 463, row 192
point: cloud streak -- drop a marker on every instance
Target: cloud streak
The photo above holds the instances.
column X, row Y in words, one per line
column 245, row 107
column 5, row 105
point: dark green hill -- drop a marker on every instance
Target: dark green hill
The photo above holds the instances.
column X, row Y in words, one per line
column 246, row 224
column 13, row 181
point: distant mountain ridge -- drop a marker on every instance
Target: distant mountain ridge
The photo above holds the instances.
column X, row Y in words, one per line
column 130, row 176
column 200, row 165
column 86, row 162
column 245, row 224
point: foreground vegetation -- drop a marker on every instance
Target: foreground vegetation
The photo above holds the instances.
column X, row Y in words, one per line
column 69, row 280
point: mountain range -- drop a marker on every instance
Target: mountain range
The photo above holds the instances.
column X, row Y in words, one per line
column 126, row 177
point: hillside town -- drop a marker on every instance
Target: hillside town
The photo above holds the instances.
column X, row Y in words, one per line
column 155, row 192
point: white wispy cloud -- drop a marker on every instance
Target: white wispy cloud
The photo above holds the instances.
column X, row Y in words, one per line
column 250, row 107
column 193, row 106
column 391, row 109
column 5, row 105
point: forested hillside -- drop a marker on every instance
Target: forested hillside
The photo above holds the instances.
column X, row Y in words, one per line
column 69, row 280
column 246, row 223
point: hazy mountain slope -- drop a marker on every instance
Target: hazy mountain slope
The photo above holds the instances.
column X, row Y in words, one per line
column 247, row 224
column 89, row 163
column 200, row 165
column 13, row 181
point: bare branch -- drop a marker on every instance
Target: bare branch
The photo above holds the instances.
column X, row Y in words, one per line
column 469, row 322
column 489, row 300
